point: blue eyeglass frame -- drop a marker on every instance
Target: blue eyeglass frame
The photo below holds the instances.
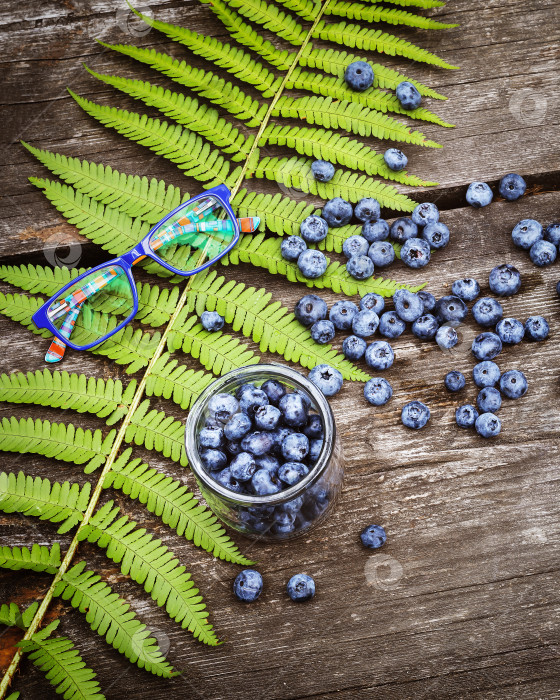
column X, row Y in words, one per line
column 126, row 261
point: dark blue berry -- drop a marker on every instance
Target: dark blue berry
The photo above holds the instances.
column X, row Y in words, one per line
column 512, row 186
column 268, row 462
column 526, row 232
column 466, row 289
column 257, row 443
column 425, row 213
column 251, row 399
column 378, row 391
column 233, row 447
column 446, row 337
column 381, row 253
column 372, row 302
column 454, row 380
column 415, row 415
column 243, row 466
column 466, row 415
column 373, row 536
column 337, row 212
column 436, row 235
column 543, row 253
column 510, row 330
column 264, row 483
column 222, row 407
column 315, row 447
column 322, row 170
column 395, row 159
column 278, row 436
column 428, row 300
column 211, row 437
column 375, row 230
column 479, row 195
column 327, row 379
column 353, row 348
column 313, row 229
column 355, row 245
column 359, row 76
column 379, row 355
column 513, row 384
column 301, row 588
column 505, row 280
column 212, row 321
column 536, row 328
column 552, row 234
column 487, row 311
column 310, row 309
column 292, row 472
column 248, row 585
column 292, row 247
column 295, row 447
column 486, row 346
column 390, row 325
column 312, row 264
column 402, row 229
column 408, row 305
column 365, row 323
column 367, row 209
column 408, row 95
column 489, row 400
column 486, row 374
column 323, row 332
column 488, row 425
column 267, row 417
column 294, row 409
column 415, row 253
column 314, row 427
column 213, row 460
column 425, row 327
column 360, row 267
column 274, row 389
column 225, row 478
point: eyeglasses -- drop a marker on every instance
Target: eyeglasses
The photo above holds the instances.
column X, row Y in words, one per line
column 188, row 240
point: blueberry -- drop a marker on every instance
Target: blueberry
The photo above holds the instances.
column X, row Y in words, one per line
column 513, row 384
column 372, row 302
column 360, row 267
column 373, row 536
column 267, row 417
column 211, row 437
column 451, row 309
column 314, row 427
column 365, row 323
column 248, row 585
column 489, row 400
column 558, row 288
column 355, row 245
column 222, row 407
column 512, row 187
column 510, row 330
column 284, row 523
column 212, row 321
column 486, row 346
column 341, row 314
column 214, row 460
column 466, row 415
column 379, row 355
column 526, row 232
column 313, row 229
column 479, row 195
column 543, row 253
column 415, row 415
column 226, row 479
column 378, row 391
column 446, row 337
column 415, row 253
column 242, row 388
column 264, row 483
column 488, row 425
column 322, row 170
column 367, row 209
column 409, row 306
column 315, row 447
column 436, row 235
column 536, row 328
column 408, row 95
column 294, row 409
column 505, row 280
column 381, row 253
column 257, row 443
column 274, row 389
column 425, row 213
column 552, row 234
column 375, row 230
column 251, row 399
column 323, row 332
column 268, row 462
column 243, row 466
column 359, row 76
column 292, row 506
column 395, row 159
column 485, row 374
column 454, row 380
column 353, row 348
column 311, row 309
column 327, row 379
column 292, row 247
column 487, row 311
column 425, row 327
column 295, row 447
column 237, row 426
column 337, row 212
column 301, row 587
column 428, row 300
column 390, row 325
column 292, row 472
column 278, row 436
column 312, row 264
column 402, row 229
column 233, row 447
column 466, row 289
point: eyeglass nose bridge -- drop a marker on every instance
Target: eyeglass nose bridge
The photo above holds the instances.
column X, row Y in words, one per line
column 132, row 257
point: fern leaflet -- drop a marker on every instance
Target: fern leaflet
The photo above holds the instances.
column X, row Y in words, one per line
column 38, row 558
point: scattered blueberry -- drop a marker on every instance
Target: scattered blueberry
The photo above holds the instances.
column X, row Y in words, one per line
column 323, row 332
column 466, row 415
column 214, row 460
column 415, row 415
column 395, row 159
column 513, row 384
column 379, row 355
column 408, row 95
column 512, row 187
column 294, row 409
column 425, row 213
column 378, row 391
column 486, row 346
column 436, row 235
column 373, row 536
column 381, row 253
column 372, row 302
column 313, row 229
column 359, row 76
column 355, row 245
column 479, row 195
column 552, row 234
column 248, row 585
column 367, row 209
column 466, row 289
column 505, row 280
column 342, row 313
column 526, row 232
column 365, row 323
column 487, row 311
column 322, row 170
column 274, row 390
column 312, row 264
column 243, row 466
column 353, row 348
column 451, row 309
column 337, row 212
column 264, row 483
column 360, row 267
column 408, row 305
column 390, row 325
column 536, row 328
column 543, row 253
column 211, row 321
column 428, row 300
column 510, row 330
column 425, row 327
column 489, row 400
column 301, row 587
column 327, row 379
column 415, row 253
column 292, row 472
column 454, row 380
column 292, row 247
column 447, row 337
column 375, row 230
column 267, row 417
column 487, row 425
column 311, row 309
column 486, row 373
column 402, row 229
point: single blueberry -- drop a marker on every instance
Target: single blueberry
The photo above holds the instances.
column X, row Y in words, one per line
column 322, row 170
column 248, row 585
column 489, row 400
column 359, row 75
column 488, row 425
column 512, row 186
column 415, row 253
column 446, row 337
column 402, row 229
column 466, row 289
column 312, row 264
column 268, row 462
column 233, row 447
column 294, row 409
column 436, row 235
column 274, row 390
column 408, row 305
column 337, row 212
column 360, row 267
column 238, row 426
column 543, row 253
column 381, row 253
column 379, row 355
column 513, row 384
column 526, row 232
column 479, row 195
column 212, row 321
column 510, row 330
column 375, row 230
column 408, row 95
column 226, row 479
column 373, row 536
column 395, row 159
column 264, row 483
column 390, row 325
column 292, row 247
column 292, row 472
column 365, row 323
column 428, row 300
column 552, row 234
column 284, row 523
column 486, row 373
column 486, row 346
column 302, row 587
column 355, row 245
column 341, row 314
column 327, row 379
column 311, row 309
column 223, row 407
column 214, row 460
column 295, row 447
column 372, row 302
column 278, row 436
column 314, row 427
column 353, row 348
column 505, row 280
column 211, row 437
column 378, row 391
column 367, row 209
column 425, row 327
column 466, row 415
column 415, row 415
column 257, row 443
column 323, row 332
column 315, row 447
column 313, row 229
column 536, row 328
column 454, row 380
column 425, row 213
column 267, row 417
column 243, row 466
column 251, row 399
column 487, row 311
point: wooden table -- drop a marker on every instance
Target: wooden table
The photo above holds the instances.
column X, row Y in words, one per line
column 463, row 601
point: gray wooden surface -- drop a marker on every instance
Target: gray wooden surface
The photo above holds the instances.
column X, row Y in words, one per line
column 463, row 601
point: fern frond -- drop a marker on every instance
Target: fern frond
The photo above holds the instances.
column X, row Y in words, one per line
column 156, row 431
column 60, row 503
column 183, row 147
column 296, row 172
column 61, row 441
column 176, row 382
column 272, row 18
column 171, row 501
column 62, row 665
column 38, row 558
column 271, row 325
column 11, row 616
column 151, row 564
column 111, row 617
column 351, row 117
column 365, row 39
column 39, row 279
column 187, row 112
column 379, row 13
column 210, row 86
column 281, row 215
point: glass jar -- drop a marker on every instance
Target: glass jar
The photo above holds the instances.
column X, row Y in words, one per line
column 295, row 509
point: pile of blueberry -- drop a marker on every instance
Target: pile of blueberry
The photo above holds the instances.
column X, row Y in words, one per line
column 542, row 244
column 359, row 76
column 511, row 187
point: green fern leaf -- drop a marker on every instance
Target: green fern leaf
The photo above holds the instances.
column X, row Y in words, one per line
column 39, row 279
column 38, row 558
column 272, row 18
column 176, row 382
column 157, row 431
column 11, row 616
column 351, row 117
column 151, row 564
column 281, row 215
column 171, row 501
column 62, row 665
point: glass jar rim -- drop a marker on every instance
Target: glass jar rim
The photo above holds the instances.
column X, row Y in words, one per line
column 272, row 370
